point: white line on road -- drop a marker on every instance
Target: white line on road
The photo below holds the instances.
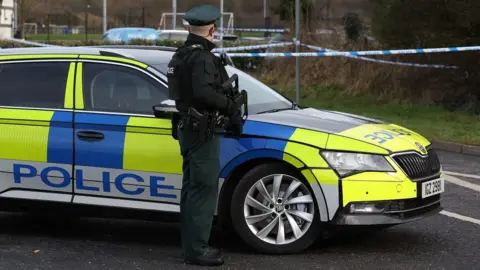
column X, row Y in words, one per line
column 460, row 217
column 463, row 174
column 462, row 183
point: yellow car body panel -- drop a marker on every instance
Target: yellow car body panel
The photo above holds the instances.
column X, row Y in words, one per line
column 390, row 137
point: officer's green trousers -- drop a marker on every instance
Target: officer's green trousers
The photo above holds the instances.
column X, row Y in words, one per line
column 201, row 170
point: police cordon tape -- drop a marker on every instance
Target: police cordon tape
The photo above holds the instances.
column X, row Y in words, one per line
column 283, row 44
column 322, row 51
column 252, row 47
column 357, row 53
column 219, row 50
column 382, row 61
column 271, row 30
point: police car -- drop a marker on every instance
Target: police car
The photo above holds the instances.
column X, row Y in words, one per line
column 126, row 34
column 78, row 130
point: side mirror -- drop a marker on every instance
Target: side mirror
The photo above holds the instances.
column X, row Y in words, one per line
column 164, row 110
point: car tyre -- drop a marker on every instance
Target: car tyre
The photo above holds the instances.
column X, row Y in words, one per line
column 241, row 207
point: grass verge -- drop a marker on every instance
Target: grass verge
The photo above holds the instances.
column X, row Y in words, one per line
column 435, row 123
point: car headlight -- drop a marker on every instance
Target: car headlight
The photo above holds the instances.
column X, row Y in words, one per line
column 345, row 163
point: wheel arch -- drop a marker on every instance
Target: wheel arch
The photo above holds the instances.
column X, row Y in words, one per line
column 251, row 159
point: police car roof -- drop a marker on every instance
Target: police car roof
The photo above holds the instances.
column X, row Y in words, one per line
column 148, row 54
column 49, row 50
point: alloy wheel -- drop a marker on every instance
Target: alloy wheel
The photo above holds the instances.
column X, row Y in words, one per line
column 279, row 209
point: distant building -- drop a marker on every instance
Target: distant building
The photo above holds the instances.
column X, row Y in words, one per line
column 6, row 18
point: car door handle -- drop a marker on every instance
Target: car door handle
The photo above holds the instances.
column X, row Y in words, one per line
column 90, row 135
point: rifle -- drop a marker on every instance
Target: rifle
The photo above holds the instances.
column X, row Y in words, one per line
column 225, row 60
column 239, row 97
column 208, row 123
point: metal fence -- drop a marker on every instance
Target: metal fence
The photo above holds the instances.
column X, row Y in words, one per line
column 247, row 13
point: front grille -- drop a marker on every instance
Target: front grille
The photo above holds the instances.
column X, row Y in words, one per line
column 418, row 167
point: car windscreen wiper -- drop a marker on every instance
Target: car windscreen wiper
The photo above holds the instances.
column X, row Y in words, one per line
column 277, row 110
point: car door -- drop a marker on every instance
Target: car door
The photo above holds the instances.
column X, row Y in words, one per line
column 36, row 135
column 124, row 156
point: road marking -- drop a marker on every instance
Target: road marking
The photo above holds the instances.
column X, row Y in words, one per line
column 462, row 183
column 463, row 174
column 460, row 217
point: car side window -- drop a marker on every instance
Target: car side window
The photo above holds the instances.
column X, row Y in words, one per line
column 114, row 88
column 33, row 84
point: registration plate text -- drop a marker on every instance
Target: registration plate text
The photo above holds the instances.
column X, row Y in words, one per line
column 433, row 187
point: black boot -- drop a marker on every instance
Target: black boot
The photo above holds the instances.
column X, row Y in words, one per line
column 211, row 257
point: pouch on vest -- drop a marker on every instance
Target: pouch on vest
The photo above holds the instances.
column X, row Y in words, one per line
column 173, row 75
column 177, row 69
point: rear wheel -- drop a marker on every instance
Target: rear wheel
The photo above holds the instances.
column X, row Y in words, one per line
column 274, row 211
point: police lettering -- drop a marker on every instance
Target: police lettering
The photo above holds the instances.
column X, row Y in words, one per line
column 386, row 135
column 21, row 172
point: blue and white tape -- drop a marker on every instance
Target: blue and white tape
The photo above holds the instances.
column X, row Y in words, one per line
column 271, row 30
column 252, row 47
column 382, row 61
column 358, row 53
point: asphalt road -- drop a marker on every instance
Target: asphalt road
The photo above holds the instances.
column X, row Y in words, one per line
column 437, row 242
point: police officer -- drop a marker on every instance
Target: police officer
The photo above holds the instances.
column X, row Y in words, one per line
column 194, row 76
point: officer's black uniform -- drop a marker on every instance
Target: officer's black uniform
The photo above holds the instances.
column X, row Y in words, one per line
column 195, row 75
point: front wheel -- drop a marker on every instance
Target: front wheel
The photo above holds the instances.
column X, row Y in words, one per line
column 274, row 211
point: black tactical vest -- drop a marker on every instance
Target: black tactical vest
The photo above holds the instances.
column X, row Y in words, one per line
column 179, row 85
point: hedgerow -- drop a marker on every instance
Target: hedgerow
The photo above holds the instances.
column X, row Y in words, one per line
column 433, row 24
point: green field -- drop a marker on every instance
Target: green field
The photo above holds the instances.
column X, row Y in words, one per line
column 434, row 123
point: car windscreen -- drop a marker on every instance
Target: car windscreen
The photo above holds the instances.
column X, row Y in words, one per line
column 260, row 96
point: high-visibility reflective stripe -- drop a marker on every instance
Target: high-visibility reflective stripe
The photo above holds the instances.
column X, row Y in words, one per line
column 145, row 122
column 115, row 59
column 310, row 156
column 21, row 141
column 149, row 125
column 79, row 104
column 148, row 150
column 24, row 114
column 37, row 56
column 368, row 191
column 24, row 122
column 68, row 104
